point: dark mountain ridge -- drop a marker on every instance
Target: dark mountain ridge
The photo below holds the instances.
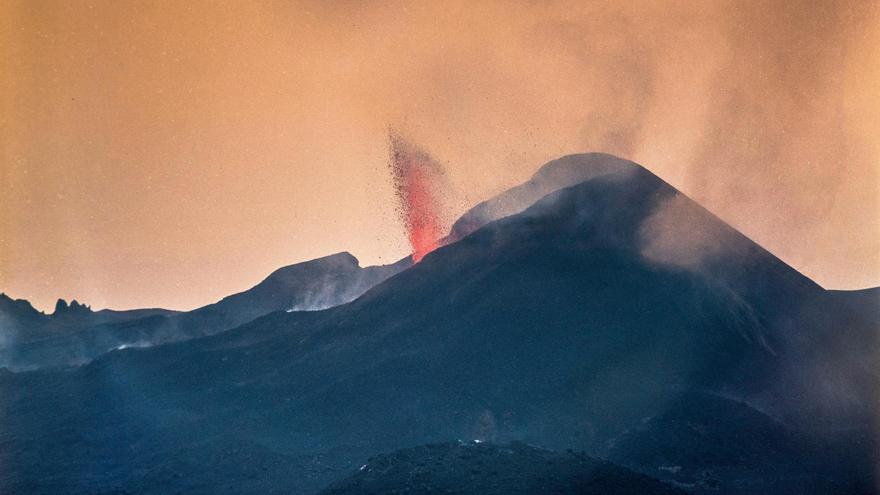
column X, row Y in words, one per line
column 608, row 312
column 74, row 314
column 74, row 334
column 553, row 176
column 23, row 328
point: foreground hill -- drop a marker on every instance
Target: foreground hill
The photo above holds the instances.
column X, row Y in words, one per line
column 486, row 469
column 615, row 317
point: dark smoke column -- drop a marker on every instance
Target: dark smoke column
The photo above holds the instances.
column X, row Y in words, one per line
column 419, row 183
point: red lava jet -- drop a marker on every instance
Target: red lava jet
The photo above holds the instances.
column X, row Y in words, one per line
column 419, row 182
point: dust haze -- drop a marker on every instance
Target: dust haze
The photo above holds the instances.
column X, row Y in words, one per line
column 194, row 148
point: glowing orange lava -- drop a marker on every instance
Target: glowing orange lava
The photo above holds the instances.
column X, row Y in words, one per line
column 418, row 181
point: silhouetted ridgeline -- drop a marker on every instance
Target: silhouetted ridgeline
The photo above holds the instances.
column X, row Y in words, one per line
column 614, row 317
column 75, row 335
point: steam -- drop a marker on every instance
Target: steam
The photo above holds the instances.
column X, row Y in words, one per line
column 420, row 185
column 759, row 111
column 681, row 234
column 327, row 295
column 558, row 174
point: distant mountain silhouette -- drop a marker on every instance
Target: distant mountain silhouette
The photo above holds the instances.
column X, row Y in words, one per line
column 486, row 469
column 615, row 316
column 19, row 313
column 74, row 334
column 25, row 332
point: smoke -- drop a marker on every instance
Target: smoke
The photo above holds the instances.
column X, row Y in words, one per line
column 681, row 234
column 759, row 111
column 421, row 186
column 8, row 336
column 764, row 112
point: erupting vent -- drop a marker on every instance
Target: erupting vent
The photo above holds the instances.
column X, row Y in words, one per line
column 418, row 183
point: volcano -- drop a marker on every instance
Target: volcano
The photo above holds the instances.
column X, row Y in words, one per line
column 615, row 317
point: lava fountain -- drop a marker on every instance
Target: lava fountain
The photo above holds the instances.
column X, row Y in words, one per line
column 419, row 183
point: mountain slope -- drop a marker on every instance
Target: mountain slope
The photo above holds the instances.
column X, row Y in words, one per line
column 704, row 442
column 553, row 176
column 568, row 325
column 74, row 334
column 479, row 468
column 307, row 286
column 26, row 333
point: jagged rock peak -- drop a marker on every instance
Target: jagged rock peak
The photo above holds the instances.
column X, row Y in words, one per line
column 61, row 307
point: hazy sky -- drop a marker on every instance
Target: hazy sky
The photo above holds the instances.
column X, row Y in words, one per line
column 169, row 153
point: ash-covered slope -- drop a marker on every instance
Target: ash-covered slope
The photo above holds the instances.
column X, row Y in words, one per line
column 553, row 176
column 489, row 469
column 579, row 323
column 308, row 286
column 74, row 334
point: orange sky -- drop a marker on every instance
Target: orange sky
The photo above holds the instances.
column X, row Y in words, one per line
column 169, row 153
